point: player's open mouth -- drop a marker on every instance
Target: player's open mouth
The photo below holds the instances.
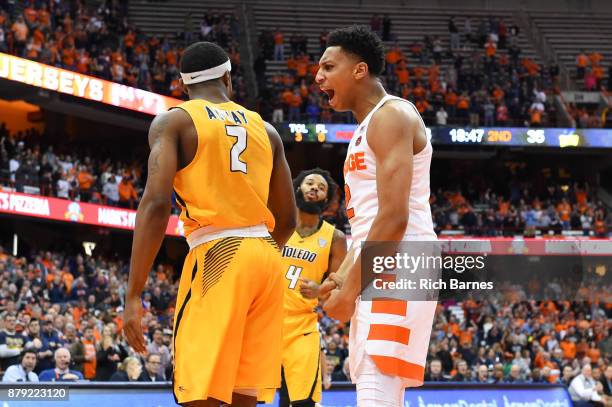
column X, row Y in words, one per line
column 330, row 94
column 312, row 195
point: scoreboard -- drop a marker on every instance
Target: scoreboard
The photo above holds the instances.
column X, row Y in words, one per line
column 444, row 135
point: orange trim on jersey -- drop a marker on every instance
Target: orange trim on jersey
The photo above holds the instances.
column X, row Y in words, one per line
column 395, row 307
column 393, row 333
column 350, row 213
column 398, row 367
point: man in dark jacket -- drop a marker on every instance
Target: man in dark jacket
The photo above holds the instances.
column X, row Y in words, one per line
column 151, row 372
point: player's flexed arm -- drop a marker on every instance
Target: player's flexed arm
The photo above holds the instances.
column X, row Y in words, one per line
column 337, row 253
column 390, row 136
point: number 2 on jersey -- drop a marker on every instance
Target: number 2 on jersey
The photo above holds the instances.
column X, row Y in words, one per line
column 350, row 212
column 293, row 275
column 240, row 133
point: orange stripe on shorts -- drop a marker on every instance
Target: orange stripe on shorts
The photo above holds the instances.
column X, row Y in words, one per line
column 394, row 333
column 397, row 367
column 395, row 307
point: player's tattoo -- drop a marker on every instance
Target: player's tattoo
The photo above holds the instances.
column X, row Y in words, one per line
column 155, row 139
column 154, row 158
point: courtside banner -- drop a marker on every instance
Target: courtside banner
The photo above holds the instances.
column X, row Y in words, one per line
column 83, row 86
column 63, row 210
column 540, row 397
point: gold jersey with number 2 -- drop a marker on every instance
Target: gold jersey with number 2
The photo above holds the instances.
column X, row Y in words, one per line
column 226, row 185
column 304, row 257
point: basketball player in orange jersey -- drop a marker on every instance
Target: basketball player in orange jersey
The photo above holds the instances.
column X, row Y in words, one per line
column 387, row 200
column 315, row 249
column 228, row 172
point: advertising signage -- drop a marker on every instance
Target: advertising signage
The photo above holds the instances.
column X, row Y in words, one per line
column 83, row 86
column 63, row 210
column 443, row 135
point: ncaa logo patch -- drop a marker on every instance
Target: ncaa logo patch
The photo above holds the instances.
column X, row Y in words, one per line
column 322, row 242
column 358, row 141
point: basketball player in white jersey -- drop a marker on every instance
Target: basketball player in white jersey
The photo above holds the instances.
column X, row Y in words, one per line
column 387, row 199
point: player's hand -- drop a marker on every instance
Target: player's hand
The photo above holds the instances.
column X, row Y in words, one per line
column 330, row 283
column 326, row 382
column 308, row 288
column 339, row 306
column 132, row 328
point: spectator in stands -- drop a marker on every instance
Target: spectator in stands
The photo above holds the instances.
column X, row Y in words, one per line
column 38, row 343
column 434, row 373
column 129, row 371
column 110, row 190
column 152, row 371
column 438, row 50
column 463, row 373
column 581, row 63
column 567, row 375
column 24, row 371
column 294, row 106
column 20, row 35
column 86, row 181
column 84, row 354
column 441, row 116
column 157, row 347
column 127, row 193
column 50, row 337
column 606, row 381
column 515, row 375
column 279, row 45
column 12, row 342
column 61, row 372
column 108, row 355
column 584, row 389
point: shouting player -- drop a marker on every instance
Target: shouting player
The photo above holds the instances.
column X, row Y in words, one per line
column 315, row 250
column 230, row 177
column 387, row 200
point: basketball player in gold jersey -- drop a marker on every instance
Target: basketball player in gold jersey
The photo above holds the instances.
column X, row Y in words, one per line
column 230, row 177
column 315, row 249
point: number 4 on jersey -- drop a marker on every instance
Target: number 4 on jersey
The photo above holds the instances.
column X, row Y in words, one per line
column 293, row 275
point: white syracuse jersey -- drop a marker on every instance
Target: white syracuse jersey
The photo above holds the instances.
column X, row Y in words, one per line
column 395, row 334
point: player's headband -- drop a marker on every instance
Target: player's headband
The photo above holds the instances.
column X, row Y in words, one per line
column 207, row 74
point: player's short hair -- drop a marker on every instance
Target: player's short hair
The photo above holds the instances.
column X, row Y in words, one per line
column 359, row 40
column 201, row 56
column 331, row 184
